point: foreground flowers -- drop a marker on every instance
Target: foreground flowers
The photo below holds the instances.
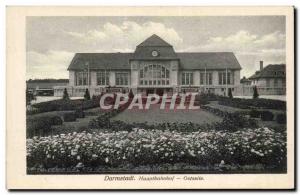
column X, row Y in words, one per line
column 144, row 147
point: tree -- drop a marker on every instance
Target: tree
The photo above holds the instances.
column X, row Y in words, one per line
column 66, row 95
column 255, row 92
column 29, row 97
column 130, row 95
column 87, row 95
column 230, row 93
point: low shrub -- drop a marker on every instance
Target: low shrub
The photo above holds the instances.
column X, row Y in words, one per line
column 266, row 115
column 79, row 113
column 281, row 118
column 254, row 114
column 69, row 117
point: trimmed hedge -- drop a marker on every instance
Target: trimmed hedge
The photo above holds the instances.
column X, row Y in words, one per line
column 41, row 126
column 79, row 113
column 63, row 105
column 56, row 120
column 253, row 103
column 281, row 118
column 266, row 115
column 69, row 117
column 254, row 114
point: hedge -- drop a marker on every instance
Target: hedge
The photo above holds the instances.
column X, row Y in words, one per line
column 69, row 117
column 253, row 103
column 266, row 115
column 281, row 118
column 41, row 125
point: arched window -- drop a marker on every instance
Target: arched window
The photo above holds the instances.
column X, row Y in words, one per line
column 154, row 74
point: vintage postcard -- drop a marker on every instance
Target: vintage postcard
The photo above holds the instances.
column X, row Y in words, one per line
column 150, row 98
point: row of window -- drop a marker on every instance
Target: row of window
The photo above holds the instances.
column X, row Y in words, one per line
column 154, row 75
column 187, row 78
column 268, row 82
column 82, row 78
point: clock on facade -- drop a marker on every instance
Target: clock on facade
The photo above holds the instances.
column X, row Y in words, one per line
column 154, row 53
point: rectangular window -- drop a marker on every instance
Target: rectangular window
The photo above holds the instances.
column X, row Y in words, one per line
column 228, row 78
column 82, row 78
column 220, row 79
column 141, row 73
column 225, row 79
column 202, row 78
column 187, row 78
column 268, row 82
column 209, row 78
column 122, row 78
column 103, row 78
column 275, row 83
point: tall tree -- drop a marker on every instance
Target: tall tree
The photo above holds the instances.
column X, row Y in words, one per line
column 255, row 92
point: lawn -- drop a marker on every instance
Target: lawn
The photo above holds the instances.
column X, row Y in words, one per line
column 156, row 115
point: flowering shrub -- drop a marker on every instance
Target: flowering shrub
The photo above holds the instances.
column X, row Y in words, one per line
column 143, row 147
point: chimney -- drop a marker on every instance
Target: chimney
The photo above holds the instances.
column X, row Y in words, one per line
column 261, row 65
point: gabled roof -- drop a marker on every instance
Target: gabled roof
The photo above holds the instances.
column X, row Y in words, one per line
column 154, row 40
column 154, row 43
column 100, row 61
column 270, row 71
column 188, row 61
column 208, row 60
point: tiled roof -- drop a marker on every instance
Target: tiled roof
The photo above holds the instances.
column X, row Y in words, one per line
column 190, row 61
column 208, row 60
column 270, row 71
column 101, row 61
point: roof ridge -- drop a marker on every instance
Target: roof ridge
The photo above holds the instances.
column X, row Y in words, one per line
column 154, row 40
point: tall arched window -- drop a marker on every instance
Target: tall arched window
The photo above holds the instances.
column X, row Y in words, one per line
column 154, row 74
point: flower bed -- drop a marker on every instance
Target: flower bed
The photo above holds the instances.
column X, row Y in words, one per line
column 145, row 147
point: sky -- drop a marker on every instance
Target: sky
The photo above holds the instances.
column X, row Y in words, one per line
column 51, row 42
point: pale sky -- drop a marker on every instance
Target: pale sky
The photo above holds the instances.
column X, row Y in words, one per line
column 53, row 41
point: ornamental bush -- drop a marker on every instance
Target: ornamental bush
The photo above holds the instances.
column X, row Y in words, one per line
column 87, row 95
column 65, row 95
